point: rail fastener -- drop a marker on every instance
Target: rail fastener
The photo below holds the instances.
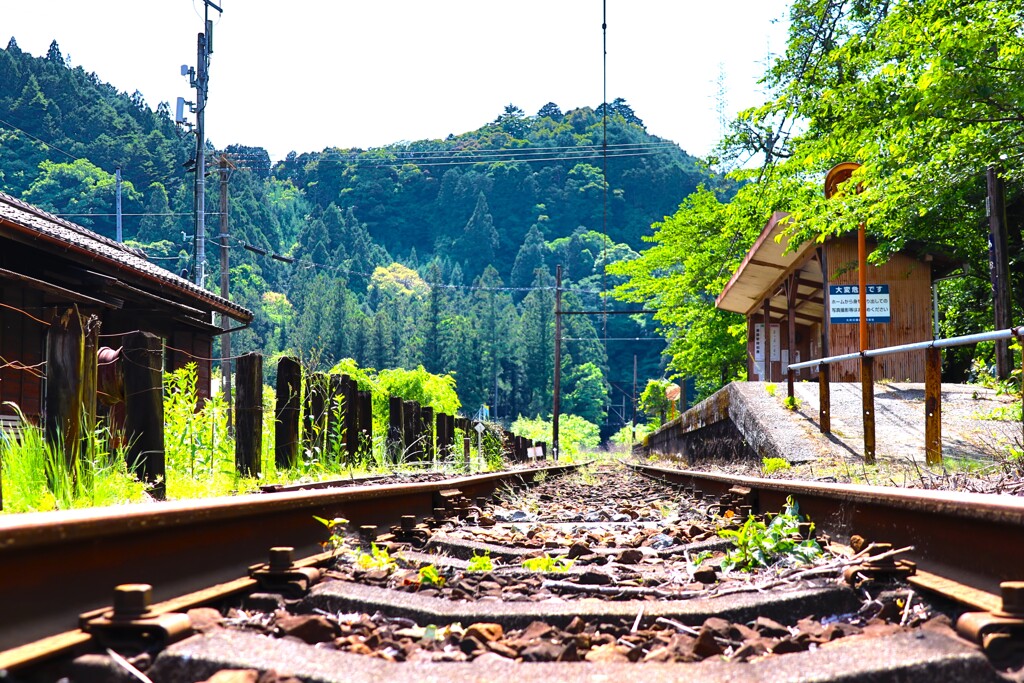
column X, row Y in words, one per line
column 883, row 565
column 280, row 574
column 131, row 624
column 999, row 632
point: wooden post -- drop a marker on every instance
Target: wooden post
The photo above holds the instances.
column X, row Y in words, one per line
column 766, row 314
column 824, row 399
column 350, row 395
column 410, row 417
column 426, row 427
column 90, row 375
column 65, row 369
column 144, row 410
column 933, row 406
column 396, row 428
column 286, row 414
column 315, row 427
column 467, row 440
column 335, row 411
column 867, row 381
column 249, row 414
column 791, row 289
column 364, row 428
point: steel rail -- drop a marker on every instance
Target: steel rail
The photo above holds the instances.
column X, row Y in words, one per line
column 970, row 539
column 55, row 566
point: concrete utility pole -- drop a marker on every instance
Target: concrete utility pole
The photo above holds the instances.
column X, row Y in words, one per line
column 225, row 342
column 201, row 81
column 555, row 408
column 120, row 233
column 999, row 266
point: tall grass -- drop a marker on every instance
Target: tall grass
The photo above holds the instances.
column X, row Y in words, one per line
column 35, row 478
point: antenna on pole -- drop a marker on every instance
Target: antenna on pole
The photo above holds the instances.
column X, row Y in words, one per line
column 199, row 78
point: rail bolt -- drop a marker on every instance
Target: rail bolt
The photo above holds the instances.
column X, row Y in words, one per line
column 408, row 523
column 280, row 558
column 131, row 600
column 1012, row 593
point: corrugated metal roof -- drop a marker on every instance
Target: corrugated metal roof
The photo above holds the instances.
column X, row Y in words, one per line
column 60, row 230
column 763, row 268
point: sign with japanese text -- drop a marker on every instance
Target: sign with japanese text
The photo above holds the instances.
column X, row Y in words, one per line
column 844, row 303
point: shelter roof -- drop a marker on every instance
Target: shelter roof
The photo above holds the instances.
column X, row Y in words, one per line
column 764, row 267
column 28, row 223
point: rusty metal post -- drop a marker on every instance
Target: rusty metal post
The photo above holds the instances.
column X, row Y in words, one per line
column 789, row 386
column 824, row 399
column 144, row 410
column 933, row 406
column 249, row 414
column 286, row 414
column 867, row 381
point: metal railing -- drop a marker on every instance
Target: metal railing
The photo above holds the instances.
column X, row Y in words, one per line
column 932, row 386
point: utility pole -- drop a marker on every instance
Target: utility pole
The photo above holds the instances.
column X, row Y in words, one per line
column 558, row 361
column 632, row 420
column 201, row 81
column 999, row 266
column 120, row 233
column 225, row 341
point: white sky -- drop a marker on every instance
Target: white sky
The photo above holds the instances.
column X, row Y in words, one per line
column 307, row 74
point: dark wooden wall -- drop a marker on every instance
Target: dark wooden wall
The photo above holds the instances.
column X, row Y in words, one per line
column 22, row 340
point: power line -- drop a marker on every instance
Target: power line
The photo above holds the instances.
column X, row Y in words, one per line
column 40, row 140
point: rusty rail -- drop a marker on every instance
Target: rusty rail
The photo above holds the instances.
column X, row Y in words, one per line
column 932, row 386
column 968, row 540
column 57, row 565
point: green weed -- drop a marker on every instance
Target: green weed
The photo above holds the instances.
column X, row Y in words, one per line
column 547, row 564
column 757, row 544
column 429, row 576
column 377, row 558
column 792, row 403
column 771, row 465
column 480, row 563
column 770, row 387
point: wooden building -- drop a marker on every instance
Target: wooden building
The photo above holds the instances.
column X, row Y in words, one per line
column 808, row 297
column 48, row 264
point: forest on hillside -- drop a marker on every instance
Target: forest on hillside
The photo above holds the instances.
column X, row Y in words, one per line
column 439, row 253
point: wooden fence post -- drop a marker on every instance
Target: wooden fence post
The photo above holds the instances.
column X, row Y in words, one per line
column 467, row 440
column 90, row 375
column 64, row 370
column 350, row 394
column 335, row 416
column 867, row 381
column 426, row 427
column 286, row 419
column 144, row 410
column 409, row 436
column 249, row 414
column 315, row 425
column 364, row 428
column 933, row 406
column 396, row 428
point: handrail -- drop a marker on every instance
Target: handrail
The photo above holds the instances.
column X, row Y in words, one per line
column 948, row 342
column 932, row 389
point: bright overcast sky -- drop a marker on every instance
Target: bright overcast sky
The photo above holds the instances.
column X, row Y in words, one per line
column 307, row 74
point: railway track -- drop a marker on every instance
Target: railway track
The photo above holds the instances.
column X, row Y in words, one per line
column 590, row 573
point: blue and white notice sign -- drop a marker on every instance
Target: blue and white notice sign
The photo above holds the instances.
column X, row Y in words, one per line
column 844, row 303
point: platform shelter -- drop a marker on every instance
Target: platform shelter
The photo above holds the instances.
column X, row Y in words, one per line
column 808, row 297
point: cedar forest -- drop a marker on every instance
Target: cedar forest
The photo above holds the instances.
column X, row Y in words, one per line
column 442, row 253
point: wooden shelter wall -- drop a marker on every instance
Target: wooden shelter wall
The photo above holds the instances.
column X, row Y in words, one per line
column 909, row 283
column 192, row 347
column 22, row 340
